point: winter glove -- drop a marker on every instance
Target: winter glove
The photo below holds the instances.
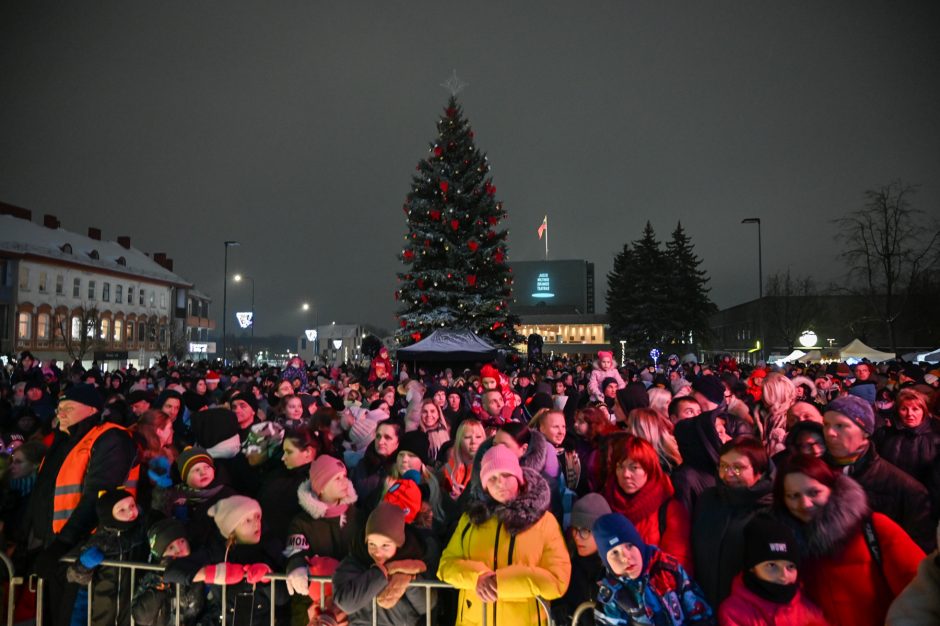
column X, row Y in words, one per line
column 406, row 566
column 297, row 582
column 224, row 573
column 92, row 557
column 159, row 472
column 394, row 590
column 322, row 565
column 47, row 564
column 257, row 573
column 327, row 616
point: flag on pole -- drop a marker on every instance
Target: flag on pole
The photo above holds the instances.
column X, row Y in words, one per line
column 543, row 227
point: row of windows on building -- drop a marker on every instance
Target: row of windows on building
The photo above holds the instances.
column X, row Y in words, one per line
column 106, row 330
column 144, row 297
column 566, row 333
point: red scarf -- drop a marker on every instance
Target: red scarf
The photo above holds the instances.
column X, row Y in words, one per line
column 643, row 503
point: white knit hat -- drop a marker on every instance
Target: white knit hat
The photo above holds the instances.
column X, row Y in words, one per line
column 232, row 511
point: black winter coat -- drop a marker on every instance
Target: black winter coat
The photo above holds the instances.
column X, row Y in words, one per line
column 278, row 498
column 721, row 514
column 893, row 493
column 914, row 450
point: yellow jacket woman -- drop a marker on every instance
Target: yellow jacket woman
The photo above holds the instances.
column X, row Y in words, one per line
column 507, row 550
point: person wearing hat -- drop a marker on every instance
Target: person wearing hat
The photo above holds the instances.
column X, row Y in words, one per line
column 642, row 584
column 320, row 535
column 586, row 566
column 848, row 424
column 381, row 566
column 118, row 537
column 507, row 548
column 86, row 456
column 855, row 561
column 199, row 489
column 235, row 562
column 768, row 591
column 606, row 368
column 154, row 600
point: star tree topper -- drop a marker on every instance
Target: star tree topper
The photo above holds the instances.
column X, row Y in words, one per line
column 453, row 84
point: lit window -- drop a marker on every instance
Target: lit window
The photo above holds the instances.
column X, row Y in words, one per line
column 76, row 327
column 43, row 324
column 130, row 331
column 105, row 329
column 24, row 326
column 118, row 330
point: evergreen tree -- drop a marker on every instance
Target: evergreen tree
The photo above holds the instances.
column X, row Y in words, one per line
column 687, row 294
column 456, row 271
column 637, row 296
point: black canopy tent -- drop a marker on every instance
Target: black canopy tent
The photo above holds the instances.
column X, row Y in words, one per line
column 450, row 345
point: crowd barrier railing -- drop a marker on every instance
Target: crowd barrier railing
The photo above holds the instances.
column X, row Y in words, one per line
column 37, row 586
column 14, row 581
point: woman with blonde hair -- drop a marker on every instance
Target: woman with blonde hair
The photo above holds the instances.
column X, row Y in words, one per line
column 652, row 426
column 659, row 399
column 435, row 427
column 777, row 396
column 458, row 469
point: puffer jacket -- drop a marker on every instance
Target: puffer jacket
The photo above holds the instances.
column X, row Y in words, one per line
column 521, row 542
column 838, row 572
column 717, row 533
column 914, row 450
column 893, row 493
column 745, row 608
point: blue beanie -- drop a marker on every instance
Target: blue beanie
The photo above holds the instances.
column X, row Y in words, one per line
column 857, row 410
column 614, row 529
column 865, row 391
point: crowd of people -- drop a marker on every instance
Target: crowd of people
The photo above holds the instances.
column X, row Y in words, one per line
column 683, row 493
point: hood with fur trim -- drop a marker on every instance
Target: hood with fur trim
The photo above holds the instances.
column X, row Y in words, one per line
column 836, row 523
column 314, row 506
column 520, row 514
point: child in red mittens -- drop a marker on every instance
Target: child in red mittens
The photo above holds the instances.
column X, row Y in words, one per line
column 235, row 563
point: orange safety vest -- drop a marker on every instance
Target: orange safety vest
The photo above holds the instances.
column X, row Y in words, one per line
column 70, row 481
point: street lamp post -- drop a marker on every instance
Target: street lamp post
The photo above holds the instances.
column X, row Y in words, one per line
column 760, row 284
column 228, row 244
column 251, row 342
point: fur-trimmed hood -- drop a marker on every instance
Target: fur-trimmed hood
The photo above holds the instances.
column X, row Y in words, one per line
column 536, row 455
column 314, row 506
column 836, row 523
column 520, row 514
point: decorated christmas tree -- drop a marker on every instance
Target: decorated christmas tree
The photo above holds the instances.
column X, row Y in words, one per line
column 456, row 272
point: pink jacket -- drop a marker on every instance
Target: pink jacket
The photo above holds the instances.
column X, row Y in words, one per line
column 744, row 608
column 598, row 376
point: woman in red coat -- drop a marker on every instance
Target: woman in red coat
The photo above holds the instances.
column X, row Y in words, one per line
column 640, row 490
column 829, row 515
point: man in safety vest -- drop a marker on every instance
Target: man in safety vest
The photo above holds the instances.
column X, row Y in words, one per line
column 86, row 456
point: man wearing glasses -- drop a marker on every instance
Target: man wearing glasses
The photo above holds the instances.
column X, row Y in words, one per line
column 85, row 457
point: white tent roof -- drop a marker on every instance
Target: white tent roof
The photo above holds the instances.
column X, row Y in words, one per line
column 793, row 356
column 811, row 357
column 855, row 349
column 930, row 357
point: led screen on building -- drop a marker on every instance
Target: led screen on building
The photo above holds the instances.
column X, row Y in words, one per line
column 553, row 287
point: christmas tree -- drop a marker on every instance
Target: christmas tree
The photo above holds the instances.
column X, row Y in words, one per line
column 456, row 272
column 689, row 304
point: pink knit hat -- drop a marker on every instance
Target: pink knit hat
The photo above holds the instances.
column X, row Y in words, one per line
column 322, row 471
column 230, row 512
column 604, row 353
column 500, row 459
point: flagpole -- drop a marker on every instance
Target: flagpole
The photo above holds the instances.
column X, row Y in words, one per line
column 546, row 237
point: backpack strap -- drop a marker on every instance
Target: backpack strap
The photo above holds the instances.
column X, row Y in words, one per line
column 871, row 540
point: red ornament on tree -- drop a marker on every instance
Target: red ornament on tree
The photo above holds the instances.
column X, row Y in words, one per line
column 473, row 245
column 424, row 298
column 416, row 336
column 492, row 220
column 490, row 235
column 438, row 151
column 409, row 255
column 427, row 243
column 435, row 214
column 403, row 323
column 451, row 111
column 444, row 186
column 420, row 284
column 471, row 279
column 499, row 255
column 497, row 325
column 404, row 208
column 454, row 224
column 490, row 188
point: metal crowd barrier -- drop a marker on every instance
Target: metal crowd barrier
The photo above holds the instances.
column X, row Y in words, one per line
column 13, row 582
column 427, row 585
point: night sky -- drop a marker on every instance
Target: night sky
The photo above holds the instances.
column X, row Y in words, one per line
column 295, row 127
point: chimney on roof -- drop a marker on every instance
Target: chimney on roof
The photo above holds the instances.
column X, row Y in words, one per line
column 160, row 258
column 50, row 221
column 168, row 264
column 15, row 211
column 94, row 233
column 124, row 241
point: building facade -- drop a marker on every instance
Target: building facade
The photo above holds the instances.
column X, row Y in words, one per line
column 67, row 296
